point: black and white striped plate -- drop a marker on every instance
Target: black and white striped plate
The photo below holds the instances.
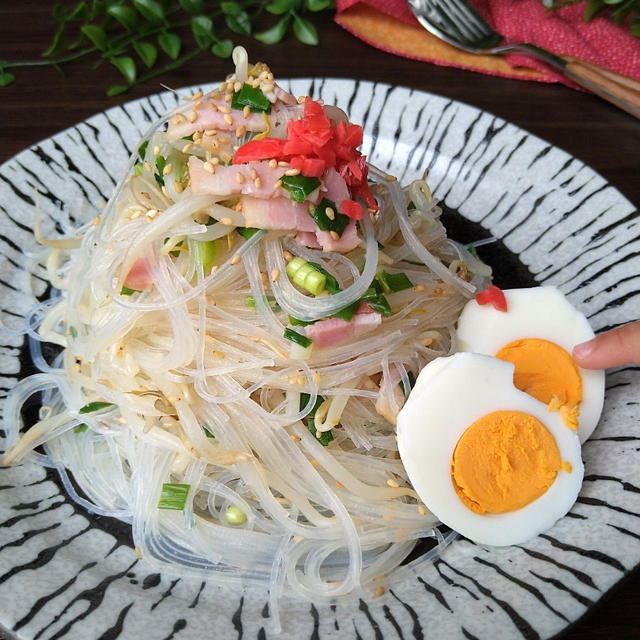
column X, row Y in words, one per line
column 66, row 574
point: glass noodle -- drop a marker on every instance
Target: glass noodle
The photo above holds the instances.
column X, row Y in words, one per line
column 201, row 387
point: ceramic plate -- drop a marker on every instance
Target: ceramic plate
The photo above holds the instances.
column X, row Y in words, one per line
column 66, row 574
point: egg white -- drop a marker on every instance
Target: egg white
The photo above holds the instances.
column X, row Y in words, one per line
column 537, row 312
column 449, row 396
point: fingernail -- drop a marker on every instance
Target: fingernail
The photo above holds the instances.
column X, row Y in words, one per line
column 583, row 350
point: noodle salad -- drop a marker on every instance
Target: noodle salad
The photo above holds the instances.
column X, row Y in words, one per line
column 237, row 334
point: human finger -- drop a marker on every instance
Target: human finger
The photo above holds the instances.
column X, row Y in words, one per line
column 610, row 349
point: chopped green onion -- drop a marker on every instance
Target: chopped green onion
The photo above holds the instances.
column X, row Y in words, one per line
column 249, row 301
column 235, row 515
column 95, row 406
column 73, row 332
column 208, row 433
column 412, row 382
column 138, row 168
column 296, row 337
column 331, row 284
column 299, row 187
column 298, row 323
column 473, row 251
column 247, row 232
column 251, row 97
column 324, row 222
column 142, row 149
column 173, row 496
column 306, row 276
column 377, row 301
column 393, row 281
column 125, row 291
column 207, row 253
column 81, row 428
column 189, row 137
column 347, row 312
column 326, row 436
column 160, row 165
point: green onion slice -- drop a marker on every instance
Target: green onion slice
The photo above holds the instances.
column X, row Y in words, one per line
column 173, row 496
column 326, row 436
column 299, row 187
column 81, row 428
column 251, row 97
column 125, row 291
column 306, row 276
column 95, row 406
column 296, row 337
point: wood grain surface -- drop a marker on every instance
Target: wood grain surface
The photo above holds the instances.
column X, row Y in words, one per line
column 42, row 102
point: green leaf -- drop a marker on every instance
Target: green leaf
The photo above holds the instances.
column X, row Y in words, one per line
column 150, row 10
column 304, row 30
column 126, row 16
column 57, row 45
column 170, row 44
column 299, row 187
column 147, row 52
column 592, row 9
column 191, row 6
column 59, row 12
column 126, row 66
column 117, row 89
column 275, row 33
column 125, row 291
column 81, row 428
column 95, row 406
column 202, row 28
column 278, row 7
column 253, row 98
column 79, row 12
column 326, row 436
column 318, row 5
column 222, row 48
column 173, row 496
column 6, row 78
column 236, row 18
column 96, row 34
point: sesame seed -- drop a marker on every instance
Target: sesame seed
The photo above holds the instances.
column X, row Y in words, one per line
column 138, row 552
column 331, row 214
column 288, row 256
column 295, row 438
column 337, row 481
column 335, row 235
column 96, row 221
column 239, row 177
column 213, row 106
column 192, row 116
column 392, row 483
column 214, row 161
column 419, row 287
column 177, row 185
column 210, row 132
column 257, row 183
column 226, row 221
column 122, row 420
column 235, row 259
column 228, row 119
column 197, row 105
column 276, row 185
column 422, row 510
column 168, row 168
column 253, row 174
column 165, row 192
column 255, row 83
column 237, row 85
column 292, row 172
column 156, row 150
column 187, row 147
column 268, row 87
column 283, row 163
column 427, row 341
column 196, row 96
column 437, row 291
column 218, row 354
column 316, row 377
column 390, row 178
column 273, row 163
column 379, row 591
column 228, row 97
column 314, row 462
column 197, row 136
column 147, row 167
column 209, row 167
column 240, row 130
column 302, row 99
column 246, row 111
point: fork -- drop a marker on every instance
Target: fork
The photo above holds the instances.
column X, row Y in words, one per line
column 459, row 24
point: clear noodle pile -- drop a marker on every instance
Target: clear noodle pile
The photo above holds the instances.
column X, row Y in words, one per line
column 203, row 391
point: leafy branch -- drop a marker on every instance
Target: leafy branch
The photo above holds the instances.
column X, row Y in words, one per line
column 145, row 38
column 620, row 11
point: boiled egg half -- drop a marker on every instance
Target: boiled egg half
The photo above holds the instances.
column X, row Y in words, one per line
column 537, row 333
column 487, row 459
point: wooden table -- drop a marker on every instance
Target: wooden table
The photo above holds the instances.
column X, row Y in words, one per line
column 41, row 103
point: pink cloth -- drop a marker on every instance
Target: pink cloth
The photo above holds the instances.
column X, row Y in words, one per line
column 561, row 31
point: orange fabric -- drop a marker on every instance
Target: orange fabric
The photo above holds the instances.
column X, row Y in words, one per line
column 413, row 41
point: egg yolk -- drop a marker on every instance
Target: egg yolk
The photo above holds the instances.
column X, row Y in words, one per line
column 544, row 370
column 504, row 461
